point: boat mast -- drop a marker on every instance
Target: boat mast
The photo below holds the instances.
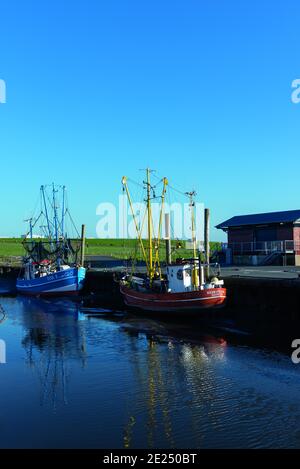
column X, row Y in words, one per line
column 163, row 195
column 46, row 211
column 124, row 182
column 151, row 273
column 195, row 277
column 58, row 259
column 30, row 227
column 63, row 212
column 55, row 213
column 150, row 260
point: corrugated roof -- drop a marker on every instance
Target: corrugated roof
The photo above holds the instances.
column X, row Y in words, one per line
column 290, row 216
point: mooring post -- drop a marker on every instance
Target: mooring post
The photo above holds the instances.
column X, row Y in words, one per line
column 82, row 245
column 206, row 241
column 168, row 239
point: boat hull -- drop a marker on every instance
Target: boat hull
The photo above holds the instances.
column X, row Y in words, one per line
column 63, row 283
column 192, row 301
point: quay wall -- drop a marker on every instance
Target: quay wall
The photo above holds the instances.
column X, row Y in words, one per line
column 264, row 306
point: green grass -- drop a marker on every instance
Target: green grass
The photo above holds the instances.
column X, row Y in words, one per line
column 118, row 248
column 11, row 247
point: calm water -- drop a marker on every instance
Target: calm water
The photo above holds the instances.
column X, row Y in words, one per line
column 73, row 380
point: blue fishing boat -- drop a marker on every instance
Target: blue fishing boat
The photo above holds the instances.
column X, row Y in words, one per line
column 53, row 264
column 66, row 281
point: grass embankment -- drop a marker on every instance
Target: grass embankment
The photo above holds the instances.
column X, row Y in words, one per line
column 11, row 247
column 118, row 248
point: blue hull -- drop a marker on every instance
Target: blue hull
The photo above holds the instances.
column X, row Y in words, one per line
column 64, row 282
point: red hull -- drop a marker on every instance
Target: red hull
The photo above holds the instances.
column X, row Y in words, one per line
column 179, row 302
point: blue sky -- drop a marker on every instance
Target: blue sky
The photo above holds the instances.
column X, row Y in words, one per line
column 198, row 90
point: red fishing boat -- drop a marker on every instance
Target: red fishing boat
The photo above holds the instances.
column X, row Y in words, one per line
column 179, row 302
column 184, row 286
column 165, row 295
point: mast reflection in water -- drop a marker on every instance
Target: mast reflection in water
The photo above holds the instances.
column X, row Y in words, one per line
column 53, row 338
column 114, row 381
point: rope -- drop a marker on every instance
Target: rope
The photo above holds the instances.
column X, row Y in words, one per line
column 173, row 188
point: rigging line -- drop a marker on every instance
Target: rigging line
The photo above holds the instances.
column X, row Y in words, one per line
column 171, row 224
column 156, row 249
column 175, row 238
column 35, row 208
column 43, row 195
column 32, row 226
column 155, row 186
column 134, row 182
column 124, row 224
column 124, row 182
column 49, row 200
column 159, row 234
column 137, row 247
column 176, row 190
column 158, row 183
column 66, row 211
column 72, row 221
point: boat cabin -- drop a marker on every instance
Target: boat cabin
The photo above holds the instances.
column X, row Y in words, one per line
column 179, row 277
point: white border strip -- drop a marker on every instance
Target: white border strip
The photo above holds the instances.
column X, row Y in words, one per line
column 43, row 284
column 174, row 301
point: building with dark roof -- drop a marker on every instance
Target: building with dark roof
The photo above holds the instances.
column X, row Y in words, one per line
column 264, row 238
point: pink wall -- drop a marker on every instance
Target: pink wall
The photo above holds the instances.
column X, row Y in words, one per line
column 297, row 237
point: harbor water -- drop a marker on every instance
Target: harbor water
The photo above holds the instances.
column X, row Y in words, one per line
column 89, row 378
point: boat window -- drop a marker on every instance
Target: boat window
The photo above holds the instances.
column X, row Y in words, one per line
column 180, row 274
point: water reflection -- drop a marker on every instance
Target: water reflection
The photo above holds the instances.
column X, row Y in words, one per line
column 162, row 377
column 131, row 382
column 2, row 314
column 52, row 338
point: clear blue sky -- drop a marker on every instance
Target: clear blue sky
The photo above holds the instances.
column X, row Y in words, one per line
column 199, row 90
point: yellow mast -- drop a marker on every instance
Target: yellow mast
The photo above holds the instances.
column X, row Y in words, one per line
column 150, row 259
column 165, row 183
column 124, row 182
column 195, row 277
column 151, row 272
